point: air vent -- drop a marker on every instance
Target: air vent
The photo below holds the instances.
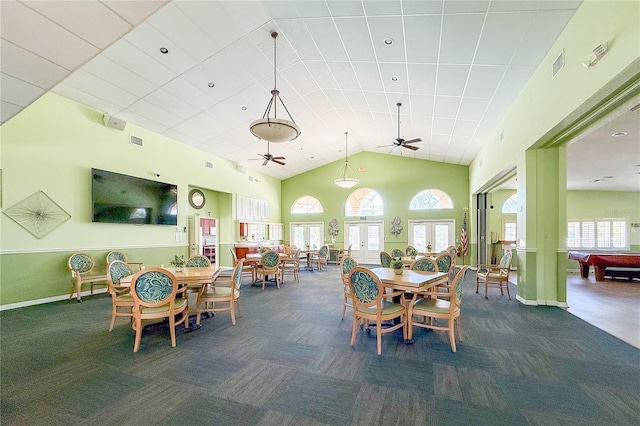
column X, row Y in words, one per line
column 558, row 64
column 208, row 164
column 136, row 140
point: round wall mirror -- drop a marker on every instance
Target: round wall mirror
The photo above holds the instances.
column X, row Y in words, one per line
column 196, row 198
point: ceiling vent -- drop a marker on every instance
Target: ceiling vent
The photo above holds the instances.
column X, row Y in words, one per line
column 136, row 140
column 558, row 64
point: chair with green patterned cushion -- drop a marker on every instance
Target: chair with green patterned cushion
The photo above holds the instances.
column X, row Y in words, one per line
column 430, row 308
column 118, row 255
column 411, row 251
column 385, row 259
column 198, row 261
column 370, row 304
column 291, row 265
column 445, row 263
column 81, row 266
column 453, row 251
column 425, row 264
column 397, row 253
column 229, row 296
column 344, row 253
column 269, row 265
column 154, row 292
column 346, row 265
column 320, row 258
column 495, row 275
column 246, row 269
column 120, row 296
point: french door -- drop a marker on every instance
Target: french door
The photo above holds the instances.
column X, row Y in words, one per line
column 366, row 239
column 439, row 233
column 303, row 233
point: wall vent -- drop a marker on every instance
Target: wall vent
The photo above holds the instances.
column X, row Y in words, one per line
column 558, row 64
column 208, row 164
column 136, row 140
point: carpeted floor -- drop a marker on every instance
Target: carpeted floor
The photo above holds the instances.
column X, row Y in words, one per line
column 288, row 362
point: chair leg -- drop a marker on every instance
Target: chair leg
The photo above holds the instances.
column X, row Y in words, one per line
column 344, row 306
column 172, row 329
column 477, row 284
column 506, row 284
column 137, row 325
column 233, row 313
column 353, row 329
column 113, row 316
column 486, row 289
column 379, row 336
column 452, row 337
column 237, row 301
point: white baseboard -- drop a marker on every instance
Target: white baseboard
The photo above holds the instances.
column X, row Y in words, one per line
column 47, row 300
column 541, row 302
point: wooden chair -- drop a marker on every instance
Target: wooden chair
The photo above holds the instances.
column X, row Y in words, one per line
column 120, row 296
column 291, row 265
column 344, row 254
column 495, row 275
column 385, row 259
column 154, row 292
column 425, row 264
column 346, row 265
column 397, row 253
column 246, row 269
column 436, row 308
column 411, row 251
column 445, row 263
column 320, row 258
column 453, row 251
column 81, row 266
column 118, row 255
column 229, row 296
column 269, row 265
column 370, row 304
column 197, row 261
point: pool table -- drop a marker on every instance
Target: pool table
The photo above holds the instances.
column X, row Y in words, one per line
column 601, row 261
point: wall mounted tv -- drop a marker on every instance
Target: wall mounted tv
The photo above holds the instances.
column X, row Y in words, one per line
column 118, row 198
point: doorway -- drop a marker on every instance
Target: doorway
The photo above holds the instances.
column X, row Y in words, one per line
column 366, row 240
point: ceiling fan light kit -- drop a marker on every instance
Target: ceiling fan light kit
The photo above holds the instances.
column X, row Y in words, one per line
column 274, row 129
column 344, row 181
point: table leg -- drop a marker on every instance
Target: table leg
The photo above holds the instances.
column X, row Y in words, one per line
column 600, row 272
column 584, row 270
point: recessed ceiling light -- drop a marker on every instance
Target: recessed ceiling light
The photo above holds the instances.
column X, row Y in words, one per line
column 210, row 84
column 388, row 41
column 618, row 134
column 164, row 50
column 595, row 180
column 244, row 108
column 394, row 78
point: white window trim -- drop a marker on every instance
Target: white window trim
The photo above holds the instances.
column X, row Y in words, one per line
column 627, row 246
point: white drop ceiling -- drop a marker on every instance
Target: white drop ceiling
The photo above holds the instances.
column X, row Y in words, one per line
column 456, row 66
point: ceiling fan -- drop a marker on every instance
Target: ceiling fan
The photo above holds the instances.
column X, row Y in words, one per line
column 399, row 142
column 268, row 157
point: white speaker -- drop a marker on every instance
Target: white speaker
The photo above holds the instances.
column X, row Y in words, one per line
column 241, row 169
column 114, row 122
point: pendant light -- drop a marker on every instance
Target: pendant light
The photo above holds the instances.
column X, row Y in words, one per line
column 274, row 129
column 343, row 180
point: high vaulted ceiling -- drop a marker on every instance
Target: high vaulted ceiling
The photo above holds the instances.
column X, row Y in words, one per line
column 456, row 66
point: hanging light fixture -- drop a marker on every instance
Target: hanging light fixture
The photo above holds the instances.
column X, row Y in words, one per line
column 343, row 180
column 274, row 129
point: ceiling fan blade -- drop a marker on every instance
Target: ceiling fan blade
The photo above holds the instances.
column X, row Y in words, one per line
column 385, row 146
column 411, row 147
column 416, row 140
column 278, row 158
column 394, row 149
column 277, row 162
column 266, row 160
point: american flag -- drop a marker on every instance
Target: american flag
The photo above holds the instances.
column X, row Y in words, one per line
column 463, row 235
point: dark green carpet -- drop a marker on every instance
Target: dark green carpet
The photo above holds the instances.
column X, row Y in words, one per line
column 288, row 362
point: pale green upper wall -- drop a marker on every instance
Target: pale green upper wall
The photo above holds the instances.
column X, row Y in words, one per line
column 546, row 102
column 52, row 146
column 397, row 179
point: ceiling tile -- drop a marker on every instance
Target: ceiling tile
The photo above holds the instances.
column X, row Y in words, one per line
column 128, row 56
column 27, row 66
column 382, row 7
column 483, row 81
column 460, row 35
column 422, row 79
column 345, row 8
column 389, row 72
column 322, row 74
column 422, row 7
column 112, row 72
column 452, row 80
column 327, row 39
column 87, row 82
column 296, row 32
column 495, row 48
column 382, row 28
column 313, row 9
column 472, row 108
column 356, row 39
column 134, row 11
column 422, row 35
column 466, row 6
column 85, row 98
column 18, row 92
column 447, row 106
column 513, row 81
column 8, row 110
column 542, row 33
column 368, row 75
column 344, row 75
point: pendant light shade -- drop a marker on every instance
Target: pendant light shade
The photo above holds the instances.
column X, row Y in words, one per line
column 272, row 128
column 344, row 181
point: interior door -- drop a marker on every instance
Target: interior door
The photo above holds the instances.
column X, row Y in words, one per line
column 366, row 239
column 195, row 236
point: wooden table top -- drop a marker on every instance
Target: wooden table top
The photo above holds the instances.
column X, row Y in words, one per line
column 190, row 276
column 410, row 280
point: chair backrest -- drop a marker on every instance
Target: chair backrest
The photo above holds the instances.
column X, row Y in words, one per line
column 270, row 259
column 116, row 255
column 236, row 282
column 154, row 287
column 116, row 270
column 324, row 250
column 296, row 256
column 452, row 251
column 234, row 256
column 425, row 264
column 385, row 259
column 411, row 251
column 349, row 250
column 456, row 287
column 396, row 253
column 347, row 264
column 81, row 263
column 444, row 261
column 198, row 261
column 366, row 288
column 505, row 261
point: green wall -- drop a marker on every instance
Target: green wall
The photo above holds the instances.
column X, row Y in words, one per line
column 397, row 179
column 52, row 145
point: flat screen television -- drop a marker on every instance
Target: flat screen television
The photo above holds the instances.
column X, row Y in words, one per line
column 118, row 198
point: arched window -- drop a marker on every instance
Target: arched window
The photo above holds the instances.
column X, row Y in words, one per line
column 431, row 199
column 511, row 205
column 364, row 202
column 306, row 204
